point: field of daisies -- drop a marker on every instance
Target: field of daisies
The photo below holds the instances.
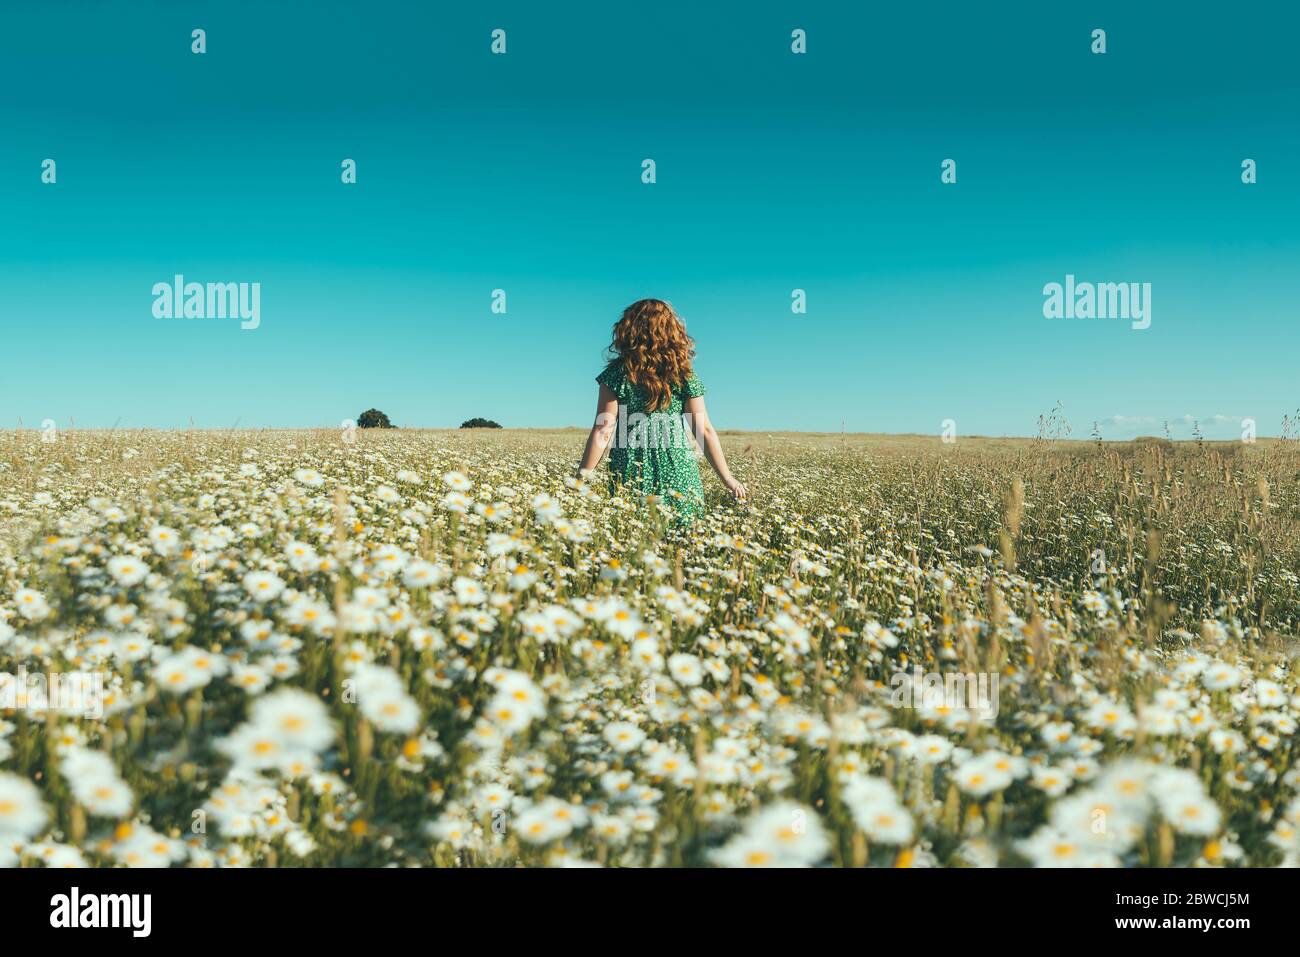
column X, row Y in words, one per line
column 441, row 649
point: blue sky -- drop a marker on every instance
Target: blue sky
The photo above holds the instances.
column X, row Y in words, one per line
column 775, row 172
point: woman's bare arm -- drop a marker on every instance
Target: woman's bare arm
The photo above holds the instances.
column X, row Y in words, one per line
column 603, row 429
column 707, row 436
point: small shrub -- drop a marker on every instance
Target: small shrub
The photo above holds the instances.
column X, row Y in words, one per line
column 373, row 419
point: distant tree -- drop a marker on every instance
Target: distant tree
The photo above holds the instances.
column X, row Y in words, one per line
column 1153, row 440
column 477, row 423
column 373, row 419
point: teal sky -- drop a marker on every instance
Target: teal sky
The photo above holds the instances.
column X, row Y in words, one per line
column 775, row 172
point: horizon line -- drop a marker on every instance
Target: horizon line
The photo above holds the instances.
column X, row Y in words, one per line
column 580, row 429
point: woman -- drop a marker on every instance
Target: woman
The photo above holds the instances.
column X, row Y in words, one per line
column 650, row 404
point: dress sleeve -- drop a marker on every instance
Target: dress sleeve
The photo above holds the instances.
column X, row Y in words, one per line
column 693, row 387
column 612, row 376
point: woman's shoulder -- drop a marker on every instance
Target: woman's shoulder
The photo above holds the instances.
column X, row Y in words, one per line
column 612, row 374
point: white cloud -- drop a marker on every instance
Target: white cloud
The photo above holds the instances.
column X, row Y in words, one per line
column 1218, row 425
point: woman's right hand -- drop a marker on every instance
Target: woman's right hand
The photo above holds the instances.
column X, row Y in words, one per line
column 736, row 488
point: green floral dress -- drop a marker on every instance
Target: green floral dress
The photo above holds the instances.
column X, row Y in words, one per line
column 652, row 452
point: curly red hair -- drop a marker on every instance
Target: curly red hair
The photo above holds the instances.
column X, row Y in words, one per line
column 655, row 349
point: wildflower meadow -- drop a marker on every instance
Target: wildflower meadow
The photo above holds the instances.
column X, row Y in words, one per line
column 444, row 649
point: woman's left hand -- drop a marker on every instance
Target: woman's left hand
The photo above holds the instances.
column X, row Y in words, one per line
column 736, row 488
